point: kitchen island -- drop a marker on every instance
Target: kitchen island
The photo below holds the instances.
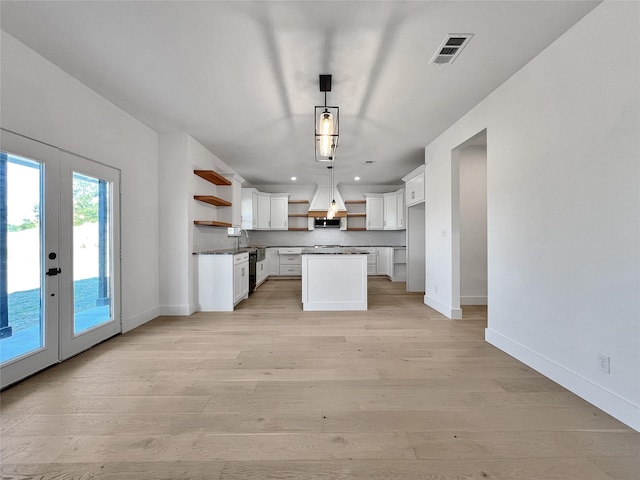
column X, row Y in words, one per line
column 334, row 279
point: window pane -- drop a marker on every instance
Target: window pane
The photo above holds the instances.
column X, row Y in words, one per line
column 21, row 293
column 91, row 252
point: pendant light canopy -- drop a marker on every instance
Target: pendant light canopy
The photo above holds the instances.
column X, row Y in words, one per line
column 326, row 125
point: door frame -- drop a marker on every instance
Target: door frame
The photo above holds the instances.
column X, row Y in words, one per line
column 57, row 162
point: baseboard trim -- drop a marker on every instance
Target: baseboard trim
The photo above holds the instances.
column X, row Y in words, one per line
column 140, row 319
column 173, row 310
column 473, row 300
column 447, row 311
column 618, row 407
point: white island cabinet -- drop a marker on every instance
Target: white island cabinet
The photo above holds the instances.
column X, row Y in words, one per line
column 334, row 279
column 223, row 280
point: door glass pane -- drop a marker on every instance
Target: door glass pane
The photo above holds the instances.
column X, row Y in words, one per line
column 91, row 253
column 21, row 292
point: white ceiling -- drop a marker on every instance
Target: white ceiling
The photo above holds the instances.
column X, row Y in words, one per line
column 242, row 77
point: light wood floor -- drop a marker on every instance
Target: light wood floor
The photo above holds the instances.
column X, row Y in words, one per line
column 271, row 392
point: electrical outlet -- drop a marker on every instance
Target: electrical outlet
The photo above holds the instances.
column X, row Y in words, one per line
column 604, row 363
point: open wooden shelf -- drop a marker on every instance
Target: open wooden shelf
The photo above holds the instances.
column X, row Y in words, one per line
column 302, row 215
column 356, row 214
column 355, row 202
column 213, row 177
column 298, row 202
column 211, row 223
column 218, row 202
column 298, row 229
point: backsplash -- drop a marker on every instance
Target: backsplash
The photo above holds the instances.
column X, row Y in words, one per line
column 206, row 238
column 328, row 236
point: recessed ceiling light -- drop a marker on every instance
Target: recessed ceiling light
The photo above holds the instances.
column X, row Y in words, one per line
column 293, row 179
column 357, row 179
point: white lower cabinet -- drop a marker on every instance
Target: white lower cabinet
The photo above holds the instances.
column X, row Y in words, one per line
column 240, row 281
column 372, row 261
column 273, row 262
column 223, row 281
column 384, row 260
column 262, row 271
column 399, row 264
column 290, row 260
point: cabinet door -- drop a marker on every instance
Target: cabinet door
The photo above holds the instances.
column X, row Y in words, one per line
column 264, row 211
column 372, row 261
column 273, row 262
column 249, row 220
column 400, row 210
column 240, row 281
column 261, row 271
column 384, row 260
column 390, row 211
column 415, row 189
column 279, row 213
column 375, row 213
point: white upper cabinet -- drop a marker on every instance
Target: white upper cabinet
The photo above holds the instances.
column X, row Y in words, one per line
column 390, row 210
column 375, row 211
column 400, row 210
column 249, row 209
column 264, row 211
column 415, row 186
column 279, row 211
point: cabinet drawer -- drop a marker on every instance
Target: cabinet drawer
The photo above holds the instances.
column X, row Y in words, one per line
column 241, row 258
column 372, row 269
column 290, row 251
column 290, row 259
column 290, row 269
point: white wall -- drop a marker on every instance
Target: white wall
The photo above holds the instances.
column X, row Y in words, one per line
column 473, row 225
column 42, row 102
column 563, row 174
column 179, row 156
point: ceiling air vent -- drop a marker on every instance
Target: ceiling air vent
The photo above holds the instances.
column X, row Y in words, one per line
column 451, row 48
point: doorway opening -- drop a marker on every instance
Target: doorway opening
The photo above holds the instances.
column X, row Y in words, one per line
column 469, row 222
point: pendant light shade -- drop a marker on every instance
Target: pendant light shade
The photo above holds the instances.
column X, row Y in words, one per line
column 326, row 125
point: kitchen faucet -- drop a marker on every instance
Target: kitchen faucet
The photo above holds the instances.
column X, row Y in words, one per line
column 239, row 237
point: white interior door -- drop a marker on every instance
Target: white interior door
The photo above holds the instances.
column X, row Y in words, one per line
column 59, row 255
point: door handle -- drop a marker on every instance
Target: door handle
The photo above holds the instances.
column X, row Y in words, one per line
column 53, row 272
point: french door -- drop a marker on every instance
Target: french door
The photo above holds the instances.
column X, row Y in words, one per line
column 59, row 255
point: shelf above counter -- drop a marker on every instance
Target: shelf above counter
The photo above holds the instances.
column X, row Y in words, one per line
column 212, row 200
column 213, row 177
column 211, row 223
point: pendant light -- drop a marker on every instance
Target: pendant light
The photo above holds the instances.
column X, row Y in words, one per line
column 326, row 125
column 333, row 207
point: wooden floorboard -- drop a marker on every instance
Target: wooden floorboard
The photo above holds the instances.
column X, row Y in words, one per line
column 272, row 392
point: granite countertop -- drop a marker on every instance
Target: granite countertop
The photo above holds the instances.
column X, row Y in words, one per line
column 227, row 251
column 318, row 249
column 334, row 251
